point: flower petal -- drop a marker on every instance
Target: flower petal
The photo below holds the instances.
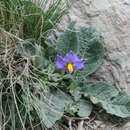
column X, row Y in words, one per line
column 79, row 65
column 72, row 57
column 70, row 62
column 61, row 62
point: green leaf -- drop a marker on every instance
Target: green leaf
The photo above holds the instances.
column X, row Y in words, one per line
column 87, row 43
column 90, row 48
column 86, row 38
column 51, row 108
column 68, row 40
column 48, row 114
column 76, row 95
column 40, row 62
column 121, row 105
column 84, row 108
column 28, row 48
column 75, row 89
column 59, row 98
column 112, row 100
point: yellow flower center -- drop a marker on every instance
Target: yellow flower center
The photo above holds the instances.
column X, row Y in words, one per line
column 70, row 67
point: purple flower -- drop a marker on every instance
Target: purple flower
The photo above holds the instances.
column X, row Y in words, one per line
column 70, row 62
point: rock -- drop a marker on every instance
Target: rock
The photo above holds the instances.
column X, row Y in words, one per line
column 127, row 2
column 80, row 125
column 126, row 126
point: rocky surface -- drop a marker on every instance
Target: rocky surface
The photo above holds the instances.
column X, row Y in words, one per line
column 112, row 17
